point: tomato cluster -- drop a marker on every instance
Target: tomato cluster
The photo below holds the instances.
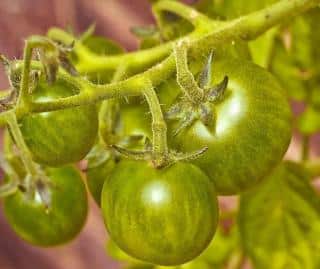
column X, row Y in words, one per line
column 247, row 137
column 167, row 215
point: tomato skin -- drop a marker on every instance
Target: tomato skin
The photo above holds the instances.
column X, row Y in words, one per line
column 96, row 177
column 163, row 216
column 59, row 137
column 66, row 216
column 251, row 131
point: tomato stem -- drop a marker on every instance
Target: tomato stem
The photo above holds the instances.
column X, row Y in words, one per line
column 31, row 43
column 185, row 78
column 200, row 42
column 159, row 127
column 196, row 18
column 25, row 154
column 110, row 108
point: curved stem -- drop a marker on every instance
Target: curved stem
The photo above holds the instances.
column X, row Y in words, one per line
column 246, row 27
column 254, row 24
column 196, row 18
column 90, row 62
column 159, row 126
column 18, row 138
column 185, row 78
column 31, row 43
column 109, row 108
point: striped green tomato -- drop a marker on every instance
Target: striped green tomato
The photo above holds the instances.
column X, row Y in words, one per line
column 58, row 224
column 250, row 127
column 163, row 216
column 59, row 137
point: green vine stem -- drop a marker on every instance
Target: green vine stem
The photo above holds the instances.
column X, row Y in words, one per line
column 159, row 126
column 91, row 62
column 31, row 43
column 247, row 27
column 109, row 108
column 185, row 78
column 25, row 155
column 197, row 19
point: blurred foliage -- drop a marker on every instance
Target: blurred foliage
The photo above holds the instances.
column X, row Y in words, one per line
column 280, row 221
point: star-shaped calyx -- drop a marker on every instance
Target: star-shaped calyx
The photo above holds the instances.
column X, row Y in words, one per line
column 186, row 110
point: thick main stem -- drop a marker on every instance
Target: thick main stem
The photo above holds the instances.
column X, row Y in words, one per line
column 247, row 27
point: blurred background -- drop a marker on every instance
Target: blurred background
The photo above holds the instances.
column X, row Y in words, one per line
column 22, row 18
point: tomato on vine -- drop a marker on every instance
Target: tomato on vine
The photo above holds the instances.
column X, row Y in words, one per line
column 248, row 131
column 164, row 216
column 59, row 137
column 58, row 224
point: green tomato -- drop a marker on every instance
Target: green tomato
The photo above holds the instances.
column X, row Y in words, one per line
column 163, row 216
column 59, row 137
column 96, row 177
column 133, row 126
column 250, row 130
column 58, row 224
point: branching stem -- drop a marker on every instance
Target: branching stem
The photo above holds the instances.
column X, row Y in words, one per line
column 205, row 38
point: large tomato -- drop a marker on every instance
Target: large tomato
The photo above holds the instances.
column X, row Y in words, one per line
column 163, row 216
column 250, row 130
column 59, row 137
column 58, row 224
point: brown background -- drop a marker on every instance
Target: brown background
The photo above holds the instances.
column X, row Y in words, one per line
column 21, row 18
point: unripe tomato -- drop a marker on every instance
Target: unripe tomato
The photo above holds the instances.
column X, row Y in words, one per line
column 96, row 177
column 163, row 216
column 59, row 137
column 58, row 224
column 132, row 128
column 250, row 129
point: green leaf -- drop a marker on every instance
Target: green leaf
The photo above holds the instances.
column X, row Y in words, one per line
column 296, row 55
column 309, row 121
column 283, row 67
column 280, row 221
column 221, row 247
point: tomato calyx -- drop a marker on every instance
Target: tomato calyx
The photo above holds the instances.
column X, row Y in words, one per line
column 37, row 188
column 54, row 56
column 187, row 110
column 159, row 161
